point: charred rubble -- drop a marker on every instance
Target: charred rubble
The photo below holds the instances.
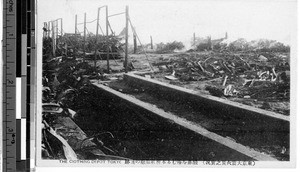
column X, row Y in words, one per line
column 66, row 103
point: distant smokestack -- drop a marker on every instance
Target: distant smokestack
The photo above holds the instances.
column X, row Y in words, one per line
column 209, row 43
column 151, row 43
column 194, row 39
column 226, row 35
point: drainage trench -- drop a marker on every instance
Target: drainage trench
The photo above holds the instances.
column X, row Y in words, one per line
column 147, row 136
column 258, row 132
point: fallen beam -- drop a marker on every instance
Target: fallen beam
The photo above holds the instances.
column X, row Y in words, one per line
column 76, row 138
column 232, row 145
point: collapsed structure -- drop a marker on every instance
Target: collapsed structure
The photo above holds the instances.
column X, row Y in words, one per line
column 239, row 71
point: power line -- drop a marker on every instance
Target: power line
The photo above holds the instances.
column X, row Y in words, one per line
column 87, row 22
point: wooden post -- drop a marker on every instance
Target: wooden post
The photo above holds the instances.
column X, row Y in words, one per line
column 56, row 34
column 126, row 41
column 84, row 37
column 45, row 30
column 97, row 28
column 61, row 27
column 151, row 43
column 53, row 38
column 107, row 40
column 76, row 25
column 48, row 29
column 134, row 44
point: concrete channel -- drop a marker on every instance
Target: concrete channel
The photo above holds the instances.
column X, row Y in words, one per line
column 259, row 129
column 190, row 140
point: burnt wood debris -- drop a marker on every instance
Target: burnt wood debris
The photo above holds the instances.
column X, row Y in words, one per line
column 98, row 87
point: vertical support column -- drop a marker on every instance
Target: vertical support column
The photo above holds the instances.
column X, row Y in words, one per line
column 151, row 43
column 76, row 25
column 97, row 29
column 56, row 34
column 53, row 38
column 61, row 27
column 126, row 40
column 45, row 30
column 84, row 37
column 48, row 29
column 107, row 40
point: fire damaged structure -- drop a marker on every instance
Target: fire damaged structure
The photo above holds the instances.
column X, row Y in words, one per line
column 220, row 101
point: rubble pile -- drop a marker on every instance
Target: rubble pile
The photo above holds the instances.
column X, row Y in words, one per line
column 68, row 105
column 260, row 76
column 241, row 44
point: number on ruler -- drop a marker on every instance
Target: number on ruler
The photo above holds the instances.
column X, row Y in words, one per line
column 13, row 139
column 11, row 4
column 10, row 81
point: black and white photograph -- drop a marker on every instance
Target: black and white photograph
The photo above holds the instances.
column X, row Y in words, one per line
column 194, row 83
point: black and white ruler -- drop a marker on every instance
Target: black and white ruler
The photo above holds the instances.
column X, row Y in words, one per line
column 18, row 84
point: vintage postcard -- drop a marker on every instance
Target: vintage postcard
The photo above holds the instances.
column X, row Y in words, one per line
column 170, row 83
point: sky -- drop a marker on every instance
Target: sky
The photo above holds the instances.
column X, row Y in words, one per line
column 170, row 20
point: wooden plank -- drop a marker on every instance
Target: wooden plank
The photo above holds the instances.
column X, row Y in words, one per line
column 76, row 138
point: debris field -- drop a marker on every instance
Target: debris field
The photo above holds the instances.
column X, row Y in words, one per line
column 81, row 121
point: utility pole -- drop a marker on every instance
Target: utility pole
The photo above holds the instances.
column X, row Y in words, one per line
column 151, row 43
column 84, row 37
column 126, row 40
column 76, row 25
column 97, row 28
column 107, row 40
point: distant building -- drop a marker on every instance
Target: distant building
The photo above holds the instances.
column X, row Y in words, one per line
column 218, row 41
column 207, row 43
